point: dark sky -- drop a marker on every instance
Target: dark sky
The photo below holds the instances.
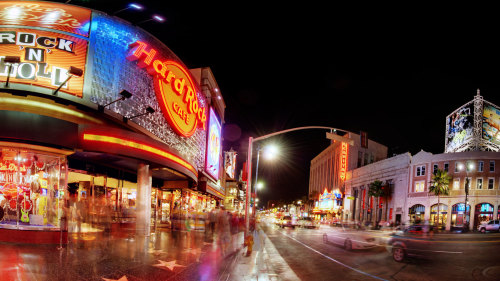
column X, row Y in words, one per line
column 395, row 72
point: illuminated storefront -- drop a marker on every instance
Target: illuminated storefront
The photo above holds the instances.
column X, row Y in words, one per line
column 328, row 206
column 110, row 116
column 417, row 214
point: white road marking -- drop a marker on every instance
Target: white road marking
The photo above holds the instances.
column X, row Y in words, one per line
column 332, row 259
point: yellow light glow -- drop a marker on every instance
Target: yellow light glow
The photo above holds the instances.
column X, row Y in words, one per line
column 51, row 107
column 140, row 146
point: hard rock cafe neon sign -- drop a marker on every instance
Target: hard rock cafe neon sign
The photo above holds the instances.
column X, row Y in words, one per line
column 174, row 88
column 343, row 160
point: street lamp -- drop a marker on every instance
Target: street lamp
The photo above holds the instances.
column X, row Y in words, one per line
column 270, row 152
column 251, row 140
column 469, row 166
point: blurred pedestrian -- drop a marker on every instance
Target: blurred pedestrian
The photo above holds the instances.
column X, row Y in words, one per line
column 223, row 230
column 212, row 218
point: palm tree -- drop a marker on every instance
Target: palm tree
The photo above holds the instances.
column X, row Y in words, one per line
column 376, row 190
column 440, row 184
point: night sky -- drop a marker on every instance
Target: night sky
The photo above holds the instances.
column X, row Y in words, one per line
column 395, row 72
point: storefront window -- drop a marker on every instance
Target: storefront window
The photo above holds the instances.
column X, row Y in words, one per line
column 30, row 193
column 457, row 214
column 417, row 214
column 443, row 214
column 483, row 213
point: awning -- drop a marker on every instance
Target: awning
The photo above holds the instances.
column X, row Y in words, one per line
column 212, row 188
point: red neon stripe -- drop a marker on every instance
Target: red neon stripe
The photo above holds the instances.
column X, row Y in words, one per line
column 140, row 146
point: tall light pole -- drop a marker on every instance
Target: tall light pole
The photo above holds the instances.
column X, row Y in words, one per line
column 251, row 140
column 468, row 166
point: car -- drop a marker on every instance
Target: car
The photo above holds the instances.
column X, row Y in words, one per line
column 414, row 241
column 288, row 221
column 419, row 228
column 308, row 222
column 351, row 237
column 492, row 225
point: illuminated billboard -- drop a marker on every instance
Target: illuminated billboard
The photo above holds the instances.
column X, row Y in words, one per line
column 460, row 127
column 56, row 16
column 491, row 123
column 230, row 163
column 213, row 146
column 45, row 58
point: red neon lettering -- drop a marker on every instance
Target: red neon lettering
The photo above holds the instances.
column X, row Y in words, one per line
column 195, row 106
column 343, row 160
column 170, row 76
column 139, row 52
column 184, row 116
column 158, row 67
column 155, row 67
column 188, row 98
column 178, row 86
column 202, row 117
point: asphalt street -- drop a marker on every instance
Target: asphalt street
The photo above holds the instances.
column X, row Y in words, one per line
column 449, row 257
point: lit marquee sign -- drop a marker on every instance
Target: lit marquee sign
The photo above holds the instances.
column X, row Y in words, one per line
column 343, row 159
column 213, row 146
column 174, row 88
column 45, row 58
column 67, row 18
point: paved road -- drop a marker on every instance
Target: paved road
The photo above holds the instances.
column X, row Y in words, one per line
column 454, row 257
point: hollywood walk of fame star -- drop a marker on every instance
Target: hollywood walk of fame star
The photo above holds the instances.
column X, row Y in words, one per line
column 168, row 264
column 124, row 278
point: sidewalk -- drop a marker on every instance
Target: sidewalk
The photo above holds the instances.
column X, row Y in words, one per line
column 165, row 255
column 265, row 264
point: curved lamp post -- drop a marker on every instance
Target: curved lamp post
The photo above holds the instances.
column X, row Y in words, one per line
column 251, row 140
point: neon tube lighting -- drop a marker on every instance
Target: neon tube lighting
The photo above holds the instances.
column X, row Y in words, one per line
column 140, row 146
column 47, row 106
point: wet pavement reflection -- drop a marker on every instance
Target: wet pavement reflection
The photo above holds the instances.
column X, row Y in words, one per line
column 98, row 252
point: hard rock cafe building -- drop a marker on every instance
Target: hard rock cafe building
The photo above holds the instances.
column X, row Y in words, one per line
column 95, row 109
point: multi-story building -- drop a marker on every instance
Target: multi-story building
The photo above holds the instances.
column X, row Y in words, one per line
column 393, row 173
column 475, row 169
column 471, row 158
column 329, row 169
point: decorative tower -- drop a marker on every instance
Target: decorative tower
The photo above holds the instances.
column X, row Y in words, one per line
column 473, row 126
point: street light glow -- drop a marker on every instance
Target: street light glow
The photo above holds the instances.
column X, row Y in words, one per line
column 260, row 185
column 270, row 151
column 470, row 166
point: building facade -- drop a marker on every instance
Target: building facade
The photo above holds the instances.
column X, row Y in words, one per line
column 328, row 171
column 96, row 110
column 393, row 173
column 471, row 158
column 476, row 169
